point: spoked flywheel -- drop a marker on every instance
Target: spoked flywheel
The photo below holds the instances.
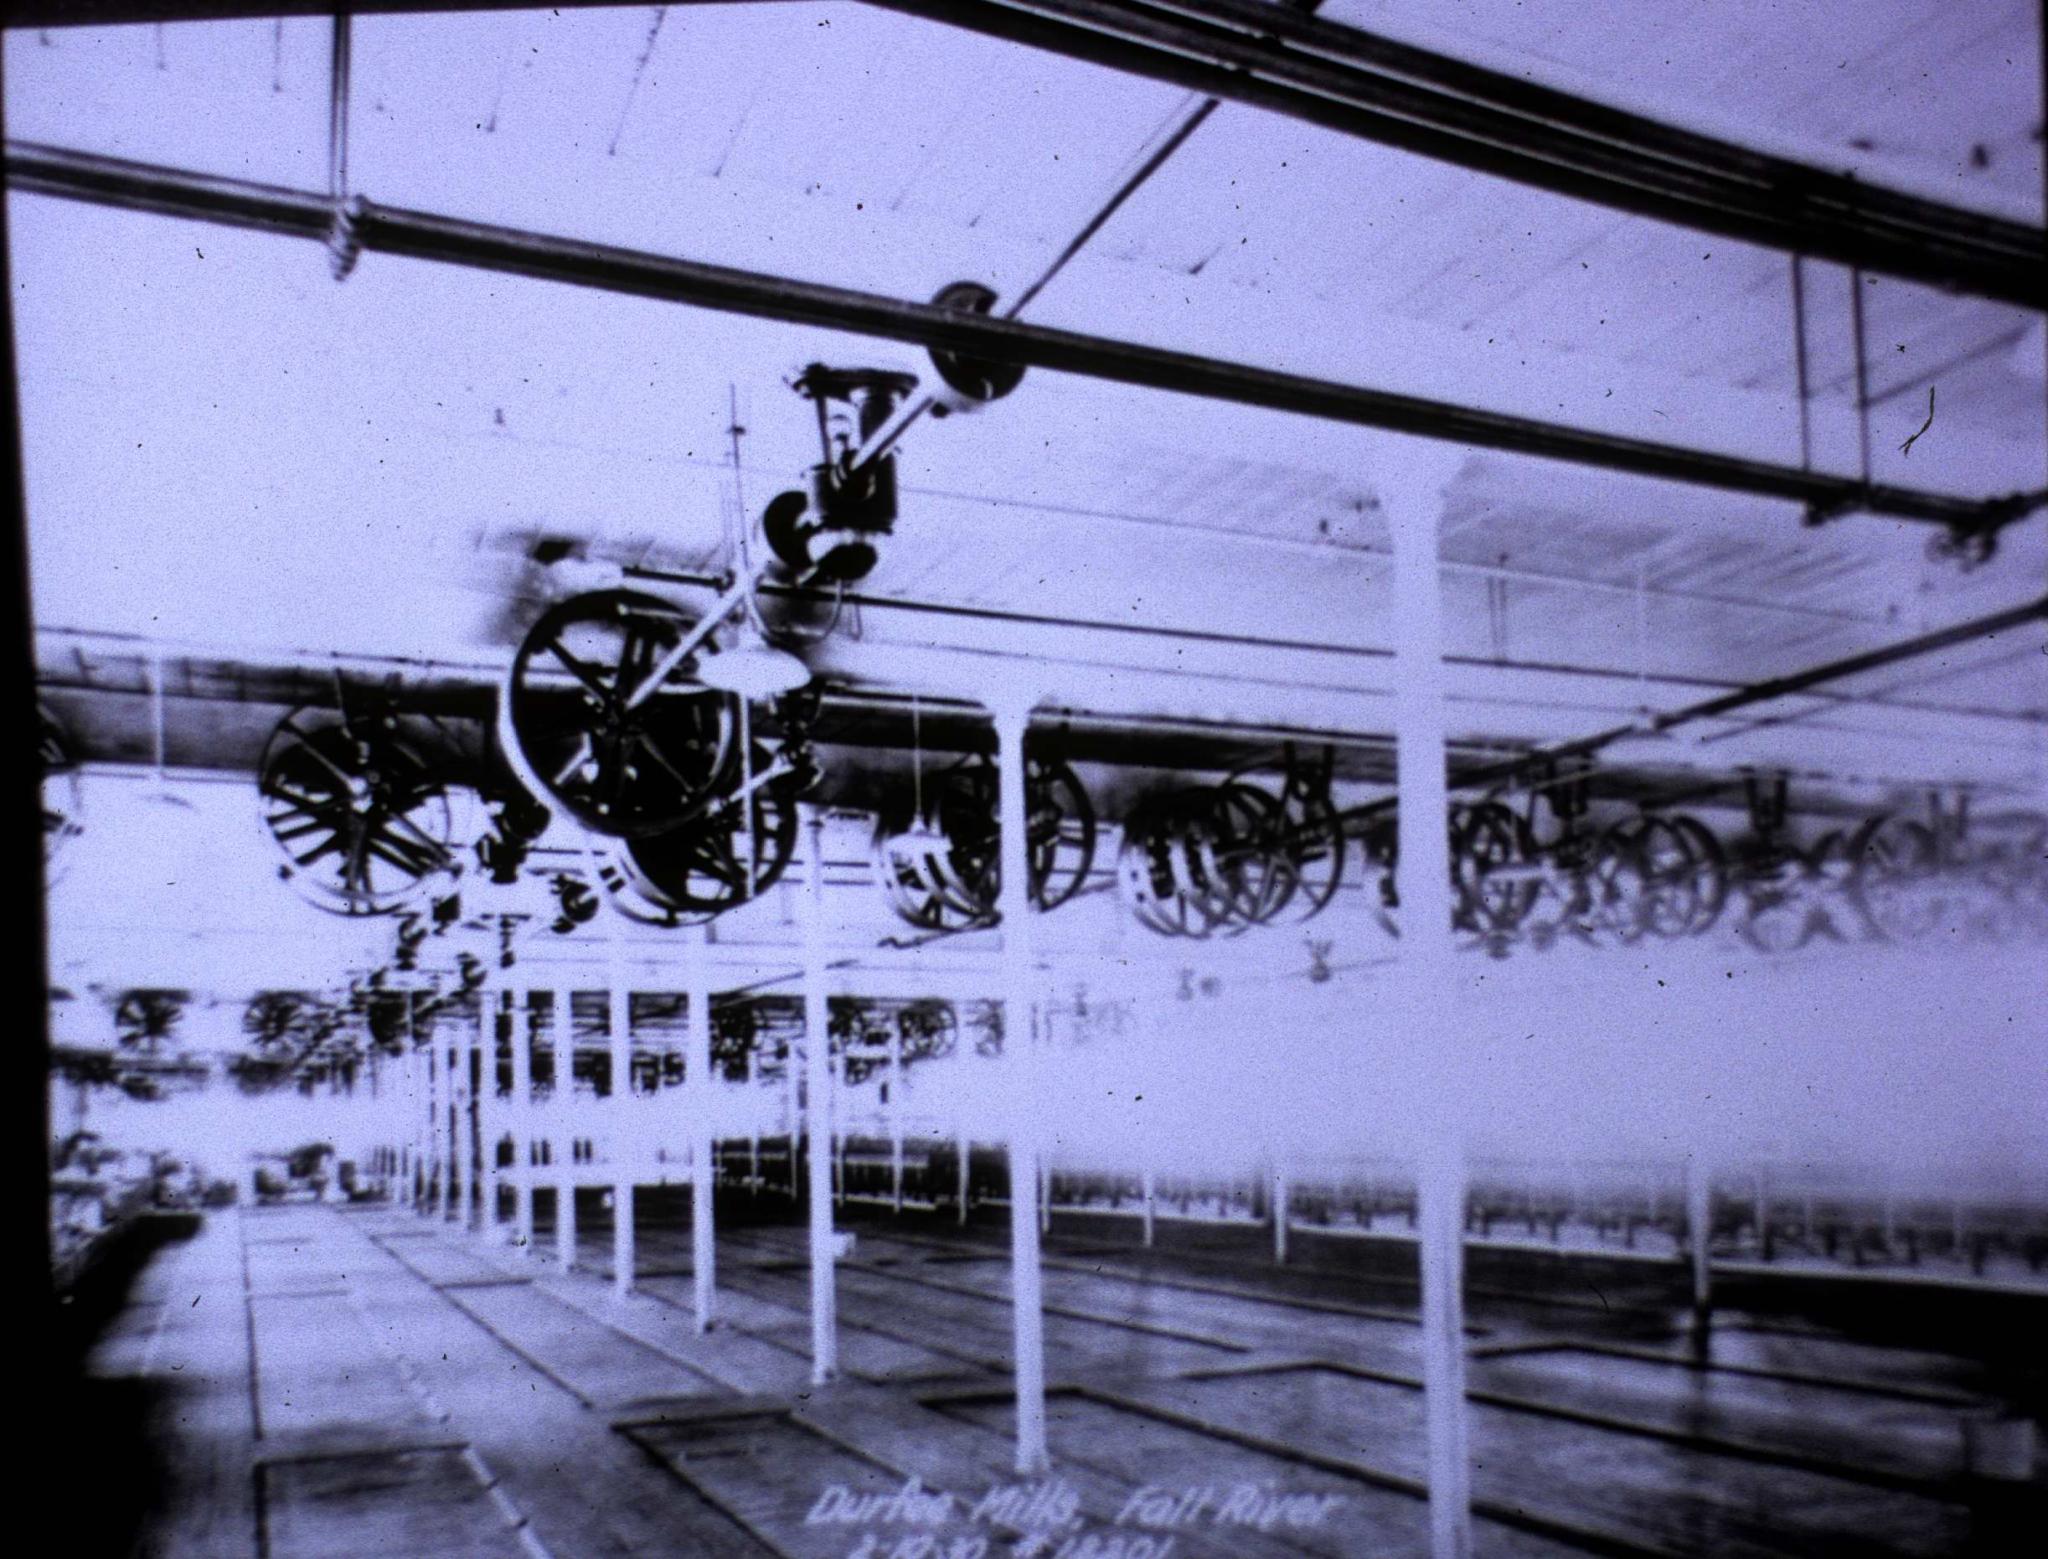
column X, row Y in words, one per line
column 602, row 717
column 734, row 851
column 365, row 824
column 943, row 871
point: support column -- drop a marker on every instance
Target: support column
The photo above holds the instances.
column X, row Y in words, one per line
column 1148, row 1187
column 437, row 1114
column 562, row 1136
column 896, row 1120
column 818, row 1110
column 1027, row 1280
column 699, row 1092
column 490, row 1116
column 965, row 1168
column 792, row 1091
column 623, row 1140
column 1699, row 1229
column 1282, row 1195
column 460, row 1166
column 521, row 1117
column 408, row 1149
column 1411, row 484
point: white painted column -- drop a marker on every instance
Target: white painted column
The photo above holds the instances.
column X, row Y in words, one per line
column 408, row 1150
column 965, row 1137
column 1411, row 484
column 792, row 1090
column 896, row 1120
column 521, row 1117
column 700, row 1100
column 1282, row 1194
column 753, row 1121
column 1761, row 1216
column 490, row 1115
column 818, row 1109
column 624, row 1136
column 437, row 1110
column 562, row 1134
column 462, row 1176
column 1027, row 1280
column 1149, row 1190
column 1699, row 1213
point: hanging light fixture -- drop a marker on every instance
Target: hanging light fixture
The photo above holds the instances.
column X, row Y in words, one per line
column 753, row 668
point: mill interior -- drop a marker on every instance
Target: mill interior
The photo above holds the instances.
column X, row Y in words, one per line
column 1062, row 777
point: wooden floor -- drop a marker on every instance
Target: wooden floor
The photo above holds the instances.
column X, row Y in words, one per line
column 325, row 1381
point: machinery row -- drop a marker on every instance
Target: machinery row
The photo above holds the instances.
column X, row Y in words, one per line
column 690, row 810
column 676, row 744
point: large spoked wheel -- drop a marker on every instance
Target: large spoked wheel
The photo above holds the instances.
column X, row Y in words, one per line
column 1779, row 914
column 593, row 719
column 1313, row 838
column 1244, row 856
column 730, row 854
column 1150, row 876
column 1617, row 904
column 1060, row 827
column 1894, row 862
column 911, row 865
column 1684, row 876
column 1489, row 839
column 938, row 870
column 366, row 828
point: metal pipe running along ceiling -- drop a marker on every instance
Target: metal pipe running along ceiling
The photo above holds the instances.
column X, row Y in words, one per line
column 112, row 181
column 1282, row 58
column 1342, row 78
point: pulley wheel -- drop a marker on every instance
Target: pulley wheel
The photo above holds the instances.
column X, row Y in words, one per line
column 718, row 861
column 365, row 825
column 585, row 728
column 974, row 381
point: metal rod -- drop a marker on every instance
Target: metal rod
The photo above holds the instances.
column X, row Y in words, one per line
column 1799, row 361
column 906, row 416
column 419, row 235
column 337, row 110
column 728, row 603
column 1394, row 94
column 1513, row 770
column 1862, row 373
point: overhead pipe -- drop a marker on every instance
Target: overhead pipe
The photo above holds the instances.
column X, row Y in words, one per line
column 1344, row 78
column 116, row 182
column 1512, row 770
column 1395, row 94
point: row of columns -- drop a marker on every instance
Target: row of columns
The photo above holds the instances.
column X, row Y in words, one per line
column 1411, row 496
column 449, row 1164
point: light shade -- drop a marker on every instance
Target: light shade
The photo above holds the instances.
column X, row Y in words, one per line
column 754, row 669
